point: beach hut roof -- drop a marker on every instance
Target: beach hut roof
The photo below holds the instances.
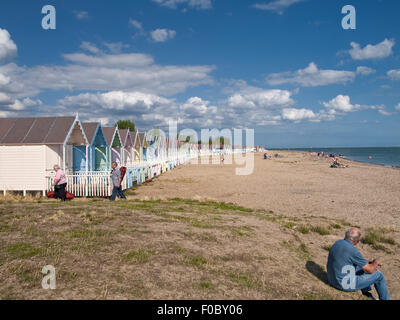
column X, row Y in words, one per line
column 126, row 137
column 91, row 129
column 142, row 137
column 135, row 137
column 110, row 133
column 28, row 131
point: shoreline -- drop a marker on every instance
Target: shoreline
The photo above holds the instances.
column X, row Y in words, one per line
column 346, row 157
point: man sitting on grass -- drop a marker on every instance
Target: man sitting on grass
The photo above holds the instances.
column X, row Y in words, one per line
column 349, row 271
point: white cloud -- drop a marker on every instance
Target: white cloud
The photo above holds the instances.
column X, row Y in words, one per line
column 198, row 4
column 311, row 77
column 8, row 48
column 341, row 104
column 138, row 25
column 196, row 106
column 5, row 99
column 115, row 47
column 379, row 51
column 266, row 99
column 298, row 114
column 278, row 6
column 365, row 71
column 162, row 35
column 398, row 107
column 87, row 46
column 105, row 72
column 81, row 15
column 394, row 74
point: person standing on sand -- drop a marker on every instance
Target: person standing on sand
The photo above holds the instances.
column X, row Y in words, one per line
column 60, row 183
column 349, row 271
column 116, row 179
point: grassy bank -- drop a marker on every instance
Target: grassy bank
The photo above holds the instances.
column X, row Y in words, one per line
column 171, row 249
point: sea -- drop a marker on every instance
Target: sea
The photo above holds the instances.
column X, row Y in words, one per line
column 384, row 156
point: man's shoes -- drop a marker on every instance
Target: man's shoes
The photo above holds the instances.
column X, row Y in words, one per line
column 368, row 295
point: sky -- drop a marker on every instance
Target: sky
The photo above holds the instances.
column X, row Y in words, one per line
column 285, row 68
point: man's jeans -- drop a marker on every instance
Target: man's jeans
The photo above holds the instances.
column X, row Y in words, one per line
column 117, row 192
column 364, row 282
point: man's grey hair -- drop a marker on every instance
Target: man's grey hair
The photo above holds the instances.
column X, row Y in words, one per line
column 353, row 234
column 56, row 166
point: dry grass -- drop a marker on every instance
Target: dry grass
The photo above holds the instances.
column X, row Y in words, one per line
column 162, row 249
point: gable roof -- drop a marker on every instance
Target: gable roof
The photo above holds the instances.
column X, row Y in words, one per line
column 90, row 129
column 126, row 137
column 23, row 131
column 109, row 134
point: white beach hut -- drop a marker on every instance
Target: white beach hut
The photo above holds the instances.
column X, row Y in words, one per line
column 30, row 147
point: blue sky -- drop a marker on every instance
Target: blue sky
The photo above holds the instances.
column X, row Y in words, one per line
column 286, row 68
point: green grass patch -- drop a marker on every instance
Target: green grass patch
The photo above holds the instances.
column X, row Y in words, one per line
column 205, row 285
column 321, row 230
column 22, row 250
column 197, row 261
column 302, row 251
column 303, row 229
column 376, row 236
column 327, row 248
column 139, row 256
column 87, row 234
column 244, row 280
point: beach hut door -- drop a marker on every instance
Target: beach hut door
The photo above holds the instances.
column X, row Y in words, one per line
column 79, row 155
column 101, row 159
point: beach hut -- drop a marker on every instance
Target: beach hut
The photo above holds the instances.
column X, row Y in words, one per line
column 115, row 144
column 127, row 149
column 144, row 146
column 137, row 152
column 98, row 148
column 30, row 147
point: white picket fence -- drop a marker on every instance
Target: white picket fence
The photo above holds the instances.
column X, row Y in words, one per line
column 99, row 184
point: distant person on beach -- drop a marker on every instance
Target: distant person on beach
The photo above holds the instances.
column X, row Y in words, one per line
column 337, row 164
column 349, row 271
column 60, row 183
column 117, row 180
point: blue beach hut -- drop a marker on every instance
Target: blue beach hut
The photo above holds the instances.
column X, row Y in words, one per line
column 98, row 147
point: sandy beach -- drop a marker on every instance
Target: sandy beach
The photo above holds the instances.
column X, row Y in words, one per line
column 201, row 232
column 295, row 184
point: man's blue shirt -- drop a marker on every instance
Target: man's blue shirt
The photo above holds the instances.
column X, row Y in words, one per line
column 342, row 254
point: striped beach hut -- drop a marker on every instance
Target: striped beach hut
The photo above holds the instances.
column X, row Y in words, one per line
column 127, row 149
column 114, row 142
column 98, row 148
column 30, row 147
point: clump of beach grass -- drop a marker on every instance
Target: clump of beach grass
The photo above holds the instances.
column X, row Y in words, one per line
column 321, row 230
column 376, row 236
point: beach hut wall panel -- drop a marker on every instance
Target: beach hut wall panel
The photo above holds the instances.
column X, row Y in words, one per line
column 23, row 167
column 127, row 149
column 137, row 152
column 144, row 146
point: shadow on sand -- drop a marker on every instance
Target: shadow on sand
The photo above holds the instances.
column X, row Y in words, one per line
column 317, row 271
